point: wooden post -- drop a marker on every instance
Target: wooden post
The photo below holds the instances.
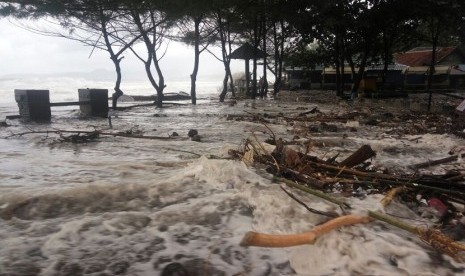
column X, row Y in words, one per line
column 98, row 99
column 34, row 105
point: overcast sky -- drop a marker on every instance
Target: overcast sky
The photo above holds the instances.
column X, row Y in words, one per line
column 23, row 52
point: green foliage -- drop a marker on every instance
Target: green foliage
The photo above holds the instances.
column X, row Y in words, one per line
column 345, row 31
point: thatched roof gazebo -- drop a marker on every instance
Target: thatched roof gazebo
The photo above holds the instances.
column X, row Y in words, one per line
column 247, row 52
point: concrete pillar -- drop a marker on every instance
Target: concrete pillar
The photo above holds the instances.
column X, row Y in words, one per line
column 98, row 99
column 34, row 105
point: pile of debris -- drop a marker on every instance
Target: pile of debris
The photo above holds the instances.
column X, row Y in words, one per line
column 442, row 195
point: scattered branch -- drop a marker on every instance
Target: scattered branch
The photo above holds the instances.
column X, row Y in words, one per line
column 430, row 163
column 318, row 212
column 115, row 134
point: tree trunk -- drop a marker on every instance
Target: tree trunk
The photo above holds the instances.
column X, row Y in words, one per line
column 254, row 66
column 339, row 91
column 435, row 38
column 113, row 57
column 227, row 75
column 385, row 60
column 118, row 91
column 276, row 57
column 338, row 78
column 151, row 57
column 153, row 82
column 247, row 78
column 197, row 21
column 278, row 45
column 161, row 80
column 221, row 32
column 264, row 86
column 225, row 38
column 225, row 88
column 231, row 80
column 231, row 84
column 361, row 69
column 161, row 85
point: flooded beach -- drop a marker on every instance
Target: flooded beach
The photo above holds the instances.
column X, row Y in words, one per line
column 125, row 206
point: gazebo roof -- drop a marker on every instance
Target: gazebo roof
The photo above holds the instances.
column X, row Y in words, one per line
column 246, row 51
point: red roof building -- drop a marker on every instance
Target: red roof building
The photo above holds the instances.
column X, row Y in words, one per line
column 421, row 56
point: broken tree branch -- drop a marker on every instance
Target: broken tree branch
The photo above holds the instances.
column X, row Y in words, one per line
column 361, row 155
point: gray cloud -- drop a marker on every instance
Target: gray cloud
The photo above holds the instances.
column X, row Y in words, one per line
column 24, row 52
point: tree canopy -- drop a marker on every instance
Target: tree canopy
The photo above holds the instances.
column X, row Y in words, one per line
column 292, row 32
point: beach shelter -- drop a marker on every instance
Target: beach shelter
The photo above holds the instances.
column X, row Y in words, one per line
column 247, row 52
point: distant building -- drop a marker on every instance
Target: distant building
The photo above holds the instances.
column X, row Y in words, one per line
column 421, row 56
column 330, row 77
column 410, row 71
column 373, row 78
column 419, row 59
column 303, row 78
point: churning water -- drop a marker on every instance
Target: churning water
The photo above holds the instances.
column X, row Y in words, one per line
column 123, row 206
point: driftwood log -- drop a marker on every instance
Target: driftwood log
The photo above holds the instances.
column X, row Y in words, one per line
column 429, row 163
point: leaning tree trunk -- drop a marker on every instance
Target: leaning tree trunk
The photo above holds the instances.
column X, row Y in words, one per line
column 161, row 79
column 151, row 57
column 148, row 70
column 114, row 58
column 227, row 76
